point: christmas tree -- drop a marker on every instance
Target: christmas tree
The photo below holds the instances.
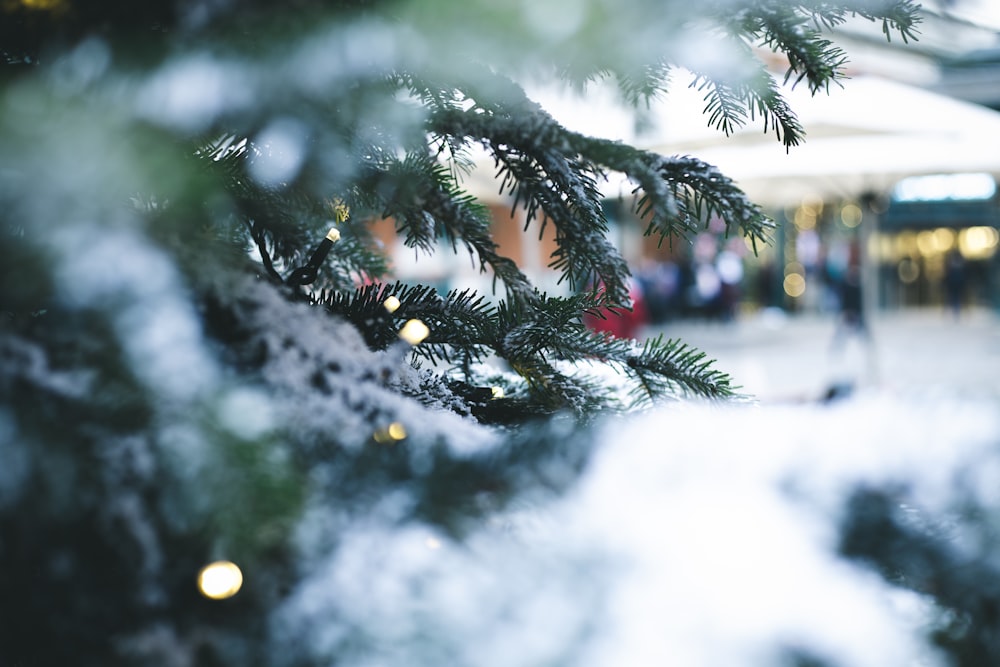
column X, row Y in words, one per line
column 204, row 357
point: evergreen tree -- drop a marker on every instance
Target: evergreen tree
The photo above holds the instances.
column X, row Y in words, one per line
column 200, row 352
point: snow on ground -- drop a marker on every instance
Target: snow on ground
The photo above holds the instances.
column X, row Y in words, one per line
column 700, row 535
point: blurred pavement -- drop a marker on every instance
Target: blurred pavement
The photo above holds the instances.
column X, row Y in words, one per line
column 776, row 357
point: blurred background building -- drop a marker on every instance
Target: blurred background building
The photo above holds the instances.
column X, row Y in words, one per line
column 896, row 183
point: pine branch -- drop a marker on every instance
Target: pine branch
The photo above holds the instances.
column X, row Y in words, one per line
column 551, row 330
column 555, row 391
column 678, row 194
column 562, row 190
column 284, row 223
column 541, row 339
column 901, row 17
column 422, row 197
column 272, row 211
column 795, row 30
column 554, row 174
column 666, row 366
column 640, row 87
column 730, row 105
column 781, row 28
column 355, row 259
column 460, row 322
column 436, row 96
column 538, row 166
column 702, row 192
column 662, row 369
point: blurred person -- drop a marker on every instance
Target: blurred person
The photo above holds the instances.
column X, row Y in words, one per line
column 729, row 267
column 835, row 263
column 621, row 323
column 954, row 282
column 702, row 287
column 660, row 285
column 850, row 323
column 851, row 315
column 703, row 291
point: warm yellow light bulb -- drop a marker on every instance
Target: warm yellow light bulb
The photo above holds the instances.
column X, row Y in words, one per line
column 220, row 580
column 497, row 392
column 333, row 234
column 392, row 433
column 391, row 304
column 414, row 332
column 44, row 5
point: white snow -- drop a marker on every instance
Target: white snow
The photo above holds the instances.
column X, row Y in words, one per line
column 700, row 535
column 118, row 268
column 283, row 150
column 190, row 92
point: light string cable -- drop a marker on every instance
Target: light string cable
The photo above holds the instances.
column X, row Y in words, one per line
column 308, row 272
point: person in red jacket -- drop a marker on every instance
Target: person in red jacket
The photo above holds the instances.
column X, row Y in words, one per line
column 621, row 323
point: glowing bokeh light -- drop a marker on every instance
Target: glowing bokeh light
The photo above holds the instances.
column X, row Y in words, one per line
column 883, row 246
column 391, row 434
column 908, row 270
column 906, row 244
column 978, row 242
column 851, row 215
column 944, row 238
column 414, row 332
column 805, row 218
column 391, row 304
column 396, row 431
column 220, row 580
column 44, row 5
column 795, row 285
column 926, row 243
column 794, row 267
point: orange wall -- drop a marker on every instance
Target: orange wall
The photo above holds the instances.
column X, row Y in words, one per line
column 523, row 247
column 507, row 232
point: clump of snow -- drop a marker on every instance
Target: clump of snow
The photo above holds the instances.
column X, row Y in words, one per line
column 246, row 413
column 726, row 519
column 119, row 269
column 282, row 147
column 326, row 385
column 189, row 93
column 699, row 535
